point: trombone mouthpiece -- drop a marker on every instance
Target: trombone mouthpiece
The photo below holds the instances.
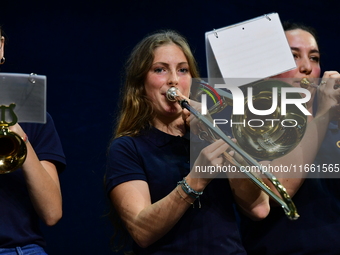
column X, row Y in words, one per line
column 171, row 94
column 304, row 83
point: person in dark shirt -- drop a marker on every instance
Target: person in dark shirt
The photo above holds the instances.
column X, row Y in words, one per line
column 148, row 178
column 317, row 229
column 31, row 192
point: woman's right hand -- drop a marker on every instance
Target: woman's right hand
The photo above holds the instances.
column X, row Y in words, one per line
column 210, row 156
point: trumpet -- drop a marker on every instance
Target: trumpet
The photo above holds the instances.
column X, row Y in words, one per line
column 13, row 150
column 211, row 133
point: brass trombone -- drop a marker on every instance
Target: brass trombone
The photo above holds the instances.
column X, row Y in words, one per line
column 262, row 145
column 13, row 150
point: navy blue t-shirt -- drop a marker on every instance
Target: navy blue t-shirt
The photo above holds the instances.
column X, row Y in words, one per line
column 317, row 231
column 19, row 223
column 162, row 160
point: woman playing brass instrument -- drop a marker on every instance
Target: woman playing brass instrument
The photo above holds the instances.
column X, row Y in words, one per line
column 133, row 172
column 31, row 192
column 318, row 229
column 148, row 177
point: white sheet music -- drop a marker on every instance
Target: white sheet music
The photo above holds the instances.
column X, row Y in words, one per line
column 256, row 49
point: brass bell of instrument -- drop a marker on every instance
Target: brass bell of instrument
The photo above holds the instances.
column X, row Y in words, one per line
column 265, row 139
column 272, row 139
column 13, row 150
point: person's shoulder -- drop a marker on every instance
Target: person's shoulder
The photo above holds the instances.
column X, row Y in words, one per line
column 136, row 140
column 123, row 139
column 122, row 142
column 48, row 121
column 49, row 118
column 130, row 139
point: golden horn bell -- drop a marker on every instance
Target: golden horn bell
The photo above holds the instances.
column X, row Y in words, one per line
column 13, row 150
column 265, row 139
column 273, row 139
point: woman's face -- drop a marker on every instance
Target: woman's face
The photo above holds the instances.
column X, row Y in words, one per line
column 307, row 57
column 169, row 68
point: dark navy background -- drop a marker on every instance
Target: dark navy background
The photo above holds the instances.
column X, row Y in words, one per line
column 81, row 47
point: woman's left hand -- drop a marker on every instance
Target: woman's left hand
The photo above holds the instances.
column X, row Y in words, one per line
column 329, row 95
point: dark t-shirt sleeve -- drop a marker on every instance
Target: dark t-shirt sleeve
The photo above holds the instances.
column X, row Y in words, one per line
column 45, row 140
column 123, row 163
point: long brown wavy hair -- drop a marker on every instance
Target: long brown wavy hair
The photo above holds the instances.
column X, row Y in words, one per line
column 136, row 111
